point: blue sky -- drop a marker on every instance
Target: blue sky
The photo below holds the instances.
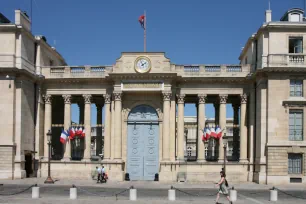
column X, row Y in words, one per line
column 95, row 32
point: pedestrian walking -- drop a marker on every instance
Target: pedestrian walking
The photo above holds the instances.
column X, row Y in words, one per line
column 98, row 169
column 222, row 188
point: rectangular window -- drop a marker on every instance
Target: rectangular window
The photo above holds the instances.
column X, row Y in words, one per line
column 296, row 125
column 296, row 87
column 295, row 45
column 295, row 163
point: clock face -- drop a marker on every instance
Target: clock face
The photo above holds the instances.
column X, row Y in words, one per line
column 142, row 65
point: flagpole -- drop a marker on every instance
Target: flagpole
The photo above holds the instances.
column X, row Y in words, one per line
column 145, row 32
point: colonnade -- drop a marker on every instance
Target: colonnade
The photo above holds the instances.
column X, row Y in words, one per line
column 113, row 123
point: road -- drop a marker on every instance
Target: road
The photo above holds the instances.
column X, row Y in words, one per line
column 60, row 194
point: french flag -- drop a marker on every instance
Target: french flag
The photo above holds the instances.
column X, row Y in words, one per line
column 71, row 133
column 79, row 131
column 64, row 136
column 218, row 132
column 207, row 133
column 83, row 133
column 213, row 132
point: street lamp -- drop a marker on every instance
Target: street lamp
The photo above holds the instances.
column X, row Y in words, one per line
column 49, row 138
column 225, row 149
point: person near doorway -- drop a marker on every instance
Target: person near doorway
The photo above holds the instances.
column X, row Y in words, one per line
column 103, row 173
column 222, row 188
column 99, row 173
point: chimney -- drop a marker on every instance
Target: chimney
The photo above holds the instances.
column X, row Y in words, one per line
column 22, row 19
column 268, row 16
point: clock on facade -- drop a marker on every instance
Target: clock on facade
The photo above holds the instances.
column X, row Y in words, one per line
column 142, row 64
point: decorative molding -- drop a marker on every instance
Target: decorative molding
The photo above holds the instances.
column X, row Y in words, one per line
column 167, row 96
column 117, row 96
column 202, row 98
column 180, row 98
column 87, row 98
column 223, row 99
column 67, row 99
column 47, row 99
column 107, row 98
column 243, row 98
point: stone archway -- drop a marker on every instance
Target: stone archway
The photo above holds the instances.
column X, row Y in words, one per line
column 142, row 143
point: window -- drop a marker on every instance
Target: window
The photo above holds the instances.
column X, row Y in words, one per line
column 295, row 163
column 296, row 87
column 295, row 45
column 296, row 125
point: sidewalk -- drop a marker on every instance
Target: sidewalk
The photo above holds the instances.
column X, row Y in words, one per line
column 147, row 184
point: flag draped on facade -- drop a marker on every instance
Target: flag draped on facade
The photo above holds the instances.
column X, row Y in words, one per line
column 211, row 132
column 71, row 133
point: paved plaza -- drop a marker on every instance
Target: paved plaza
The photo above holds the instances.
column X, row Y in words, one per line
column 147, row 192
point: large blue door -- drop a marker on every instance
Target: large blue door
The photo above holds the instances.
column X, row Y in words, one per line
column 143, row 143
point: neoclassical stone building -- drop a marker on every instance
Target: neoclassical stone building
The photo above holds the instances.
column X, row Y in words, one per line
column 141, row 96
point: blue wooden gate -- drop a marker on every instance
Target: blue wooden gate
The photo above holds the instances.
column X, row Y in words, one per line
column 143, row 143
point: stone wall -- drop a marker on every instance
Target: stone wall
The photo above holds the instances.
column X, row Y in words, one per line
column 6, row 162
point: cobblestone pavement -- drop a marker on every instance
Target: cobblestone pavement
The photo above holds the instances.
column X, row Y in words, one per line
column 104, row 194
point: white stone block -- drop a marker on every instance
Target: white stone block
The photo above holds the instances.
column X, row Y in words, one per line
column 233, row 195
column 273, row 195
column 171, row 194
column 35, row 192
column 133, row 194
column 73, row 193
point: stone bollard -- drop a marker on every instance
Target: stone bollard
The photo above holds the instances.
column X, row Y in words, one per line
column 171, row 194
column 233, row 195
column 133, row 193
column 35, row 192
column 273, row 194
column 73, row 192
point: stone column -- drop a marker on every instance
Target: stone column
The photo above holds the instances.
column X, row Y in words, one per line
column 107, row 127
column 67, row 123
column 180, row 127
column 118, row 126
column 222, row 123
column 99, row 130
column 87, row 125
column 166, row 124
column 243, row 129
column 48, row 122
column 236, row 132
column 201, row 124
column 251, row 125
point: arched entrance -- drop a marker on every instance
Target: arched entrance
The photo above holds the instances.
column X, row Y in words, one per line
column 143, row 143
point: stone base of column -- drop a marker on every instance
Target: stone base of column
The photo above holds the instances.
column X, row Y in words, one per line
column 66, row 159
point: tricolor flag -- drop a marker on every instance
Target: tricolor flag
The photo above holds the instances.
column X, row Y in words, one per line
column 207, row 133
column 213, row 132
column 71, row 133
column 79, row 131
column 141, row 20
column 218, row 132
column 64, row 136
column 83, row 133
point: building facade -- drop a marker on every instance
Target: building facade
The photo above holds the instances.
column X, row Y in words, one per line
column 142, row 97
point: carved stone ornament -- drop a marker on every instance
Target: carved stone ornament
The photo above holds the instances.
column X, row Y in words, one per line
column 117, row 96
column 87, row 98
column 180, row 98
column 107, row 98
column 202, row 98
column 47, row 99
column 244, row 98
column 67, row 99
column 223, row 98
column 167, row 96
